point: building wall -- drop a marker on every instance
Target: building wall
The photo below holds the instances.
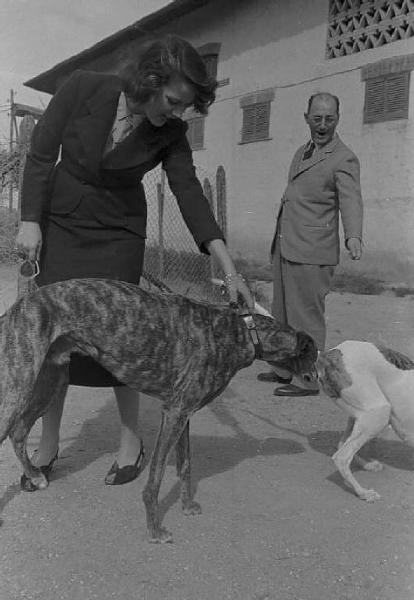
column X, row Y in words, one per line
column 281, row 45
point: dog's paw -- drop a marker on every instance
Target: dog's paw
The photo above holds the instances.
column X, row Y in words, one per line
column 373, row 465
column 34, row 483
column 192, row 508
column 161, row 536
column 369, row 495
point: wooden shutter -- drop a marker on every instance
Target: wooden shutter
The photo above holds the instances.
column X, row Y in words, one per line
column 210, row 60
column 256, row 119
column 195, row 133
column 387, row 97
column 397, row 88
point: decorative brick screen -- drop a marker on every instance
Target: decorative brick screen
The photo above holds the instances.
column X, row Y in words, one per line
column 355, row 25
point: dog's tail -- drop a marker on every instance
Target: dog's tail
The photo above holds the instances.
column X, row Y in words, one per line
column 24, row 344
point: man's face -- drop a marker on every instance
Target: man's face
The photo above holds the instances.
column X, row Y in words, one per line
column 322, row 119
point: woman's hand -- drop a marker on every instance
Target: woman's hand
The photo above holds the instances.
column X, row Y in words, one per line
column 29, row 239
column 236, row 287
column 235, row 284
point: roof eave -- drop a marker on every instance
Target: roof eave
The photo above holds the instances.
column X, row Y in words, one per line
column 47, row 81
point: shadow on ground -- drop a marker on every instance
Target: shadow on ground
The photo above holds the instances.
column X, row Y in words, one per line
column 211, row 455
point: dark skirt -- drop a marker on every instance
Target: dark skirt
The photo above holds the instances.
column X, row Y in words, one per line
column 77, row 248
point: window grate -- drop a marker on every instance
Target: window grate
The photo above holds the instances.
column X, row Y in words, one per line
column 357, row 25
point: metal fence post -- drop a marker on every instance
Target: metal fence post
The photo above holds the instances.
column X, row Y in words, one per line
column 161, row 199
column 24, row 286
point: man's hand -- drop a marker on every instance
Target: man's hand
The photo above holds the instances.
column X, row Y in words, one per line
column 29, row 239
column 354, row 246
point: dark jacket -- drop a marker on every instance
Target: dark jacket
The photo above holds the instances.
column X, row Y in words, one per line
column 66, row 162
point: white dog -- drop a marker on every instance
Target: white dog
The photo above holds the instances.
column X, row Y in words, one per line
column 375, row 385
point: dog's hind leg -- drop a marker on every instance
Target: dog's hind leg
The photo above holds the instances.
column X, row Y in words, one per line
column 51, row 383
column 172, row 426
column 367, row 425
column 183, row 453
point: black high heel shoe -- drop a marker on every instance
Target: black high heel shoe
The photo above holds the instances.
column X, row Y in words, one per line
column 120, row 475
column 26, row 483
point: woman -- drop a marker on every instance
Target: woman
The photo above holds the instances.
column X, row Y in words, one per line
column 83, row 203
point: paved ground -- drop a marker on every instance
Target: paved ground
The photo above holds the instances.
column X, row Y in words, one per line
column 277, row 522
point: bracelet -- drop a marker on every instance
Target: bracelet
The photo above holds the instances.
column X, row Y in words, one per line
column 230, row 277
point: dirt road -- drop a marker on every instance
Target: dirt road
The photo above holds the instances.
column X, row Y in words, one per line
column 277, row 522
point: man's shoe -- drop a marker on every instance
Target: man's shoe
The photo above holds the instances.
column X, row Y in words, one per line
column 272, row 377
column 120, row 475
column 292, row 390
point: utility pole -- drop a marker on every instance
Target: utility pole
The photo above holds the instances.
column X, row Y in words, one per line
column 11, row 145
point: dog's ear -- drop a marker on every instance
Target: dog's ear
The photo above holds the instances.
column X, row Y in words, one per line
column 306, row 347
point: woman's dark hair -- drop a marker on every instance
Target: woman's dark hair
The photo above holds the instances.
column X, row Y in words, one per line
column 157, row 60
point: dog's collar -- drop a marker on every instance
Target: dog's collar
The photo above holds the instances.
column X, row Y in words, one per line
column 251, row 326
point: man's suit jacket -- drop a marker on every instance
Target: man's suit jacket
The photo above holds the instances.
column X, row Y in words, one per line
column 76, row 124
column 319, row 188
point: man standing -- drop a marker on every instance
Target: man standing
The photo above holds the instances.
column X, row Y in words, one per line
column 323, row 181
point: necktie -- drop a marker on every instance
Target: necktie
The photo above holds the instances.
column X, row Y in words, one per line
column 122, row 127
column 123, row 124
column 308, row 151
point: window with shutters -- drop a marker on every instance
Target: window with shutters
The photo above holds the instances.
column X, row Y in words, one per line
column 256, row 122
column 195, row 132
column 387, row 97
column 256, row 116
column 387, row 88
column 210, row 60
column 357, row 25
column 210, row 53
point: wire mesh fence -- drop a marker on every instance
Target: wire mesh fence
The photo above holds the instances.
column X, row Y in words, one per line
column 171, row 255
column 172, row 259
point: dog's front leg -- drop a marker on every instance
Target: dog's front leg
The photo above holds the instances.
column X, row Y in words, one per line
column 366, row 426
column 171, row 428
column 189, row 506
column 361, row 462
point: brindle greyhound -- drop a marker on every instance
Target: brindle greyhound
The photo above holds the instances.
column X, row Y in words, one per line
column 182, row 351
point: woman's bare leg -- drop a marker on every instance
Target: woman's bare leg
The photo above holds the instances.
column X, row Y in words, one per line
column 130, row 442
column 49, row 439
